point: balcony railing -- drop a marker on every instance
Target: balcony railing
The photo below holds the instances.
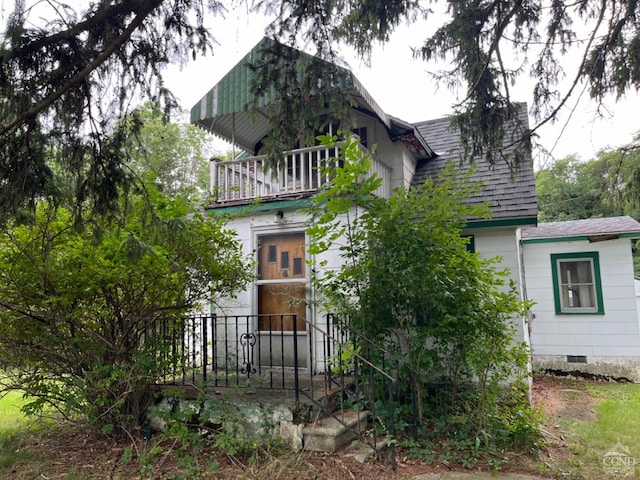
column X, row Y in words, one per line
column 300, row 171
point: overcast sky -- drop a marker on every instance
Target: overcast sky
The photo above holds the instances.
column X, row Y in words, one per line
column 404, row 89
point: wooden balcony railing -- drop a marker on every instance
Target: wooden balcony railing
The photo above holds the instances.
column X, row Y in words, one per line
column 301, row 171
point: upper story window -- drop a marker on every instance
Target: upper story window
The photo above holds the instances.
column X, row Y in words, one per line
column 576, row 283
column 361, row 132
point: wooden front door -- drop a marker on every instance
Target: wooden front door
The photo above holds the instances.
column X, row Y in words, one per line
column 282, row 292
column 282, row 282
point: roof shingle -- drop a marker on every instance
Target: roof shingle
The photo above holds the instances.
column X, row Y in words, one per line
column 590, row 227
column 511, row 193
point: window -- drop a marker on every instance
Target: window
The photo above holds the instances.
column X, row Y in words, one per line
column 297, row 267
column 272, row 254
column 361, row 132
column 576, row 283
column 471, row 244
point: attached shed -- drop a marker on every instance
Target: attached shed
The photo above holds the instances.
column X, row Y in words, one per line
column 580, row 275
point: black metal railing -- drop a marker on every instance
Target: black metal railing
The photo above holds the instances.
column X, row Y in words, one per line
column 355, row 378
column 229, row 351
column 322, row 364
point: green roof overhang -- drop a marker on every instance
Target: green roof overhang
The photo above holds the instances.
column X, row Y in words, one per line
column 230, row 110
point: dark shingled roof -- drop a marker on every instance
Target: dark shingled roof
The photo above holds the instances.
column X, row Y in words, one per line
column 511, row 194
column 592, row 227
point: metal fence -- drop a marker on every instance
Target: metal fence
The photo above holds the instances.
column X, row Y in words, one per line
column 318, row 363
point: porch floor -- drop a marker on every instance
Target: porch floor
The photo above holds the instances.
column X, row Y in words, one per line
column 265, row 389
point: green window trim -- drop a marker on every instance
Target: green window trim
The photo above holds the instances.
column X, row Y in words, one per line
column 471, row 245
column 594, row 259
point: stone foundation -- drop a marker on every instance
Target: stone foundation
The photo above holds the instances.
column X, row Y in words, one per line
column 608, row 368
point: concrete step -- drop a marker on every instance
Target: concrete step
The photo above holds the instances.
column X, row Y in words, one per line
column 330, row 433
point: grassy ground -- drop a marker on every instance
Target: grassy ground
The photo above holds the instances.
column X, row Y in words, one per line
column 593, row 431
column 584, row 421
column 616, row 429
column 10, row 417
column 12, row 422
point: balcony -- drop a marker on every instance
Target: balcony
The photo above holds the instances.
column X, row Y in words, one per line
column 300, row 173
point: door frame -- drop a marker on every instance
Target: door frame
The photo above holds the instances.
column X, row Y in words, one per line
column 305, row 338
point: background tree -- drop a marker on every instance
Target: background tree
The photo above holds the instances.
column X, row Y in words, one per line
column 66, row 80
column 568, row 190
column 608, row 185
column 173, row 155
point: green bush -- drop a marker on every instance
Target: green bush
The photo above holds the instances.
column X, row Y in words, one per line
column 443, row 316
column 80, row 307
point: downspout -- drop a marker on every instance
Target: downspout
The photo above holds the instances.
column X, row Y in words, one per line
column 523, row 284
column 526, row 318
column 314, row 313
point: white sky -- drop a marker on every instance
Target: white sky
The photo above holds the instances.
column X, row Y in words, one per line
column 403, row 88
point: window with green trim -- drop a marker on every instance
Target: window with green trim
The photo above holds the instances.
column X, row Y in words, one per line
column 471, row 244
column 576, row 283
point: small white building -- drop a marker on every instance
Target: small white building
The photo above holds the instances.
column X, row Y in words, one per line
column 585, row 319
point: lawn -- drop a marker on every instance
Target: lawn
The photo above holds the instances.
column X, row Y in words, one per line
column 612, row 441
column 618, row 417
column 12, row 422
column 592, row 430
column 11, row 419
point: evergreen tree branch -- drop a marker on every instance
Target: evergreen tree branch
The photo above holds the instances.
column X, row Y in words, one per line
column 551, row 116
column 143, row 13
column 101, row 15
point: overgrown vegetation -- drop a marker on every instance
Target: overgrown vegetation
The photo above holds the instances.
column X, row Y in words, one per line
column 599, row 416
column 89, row 301
column 443, row 316
column 83, row 308
column 195, row 443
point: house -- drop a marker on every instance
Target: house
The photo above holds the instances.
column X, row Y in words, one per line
column 585, row 319
column 267, row 208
